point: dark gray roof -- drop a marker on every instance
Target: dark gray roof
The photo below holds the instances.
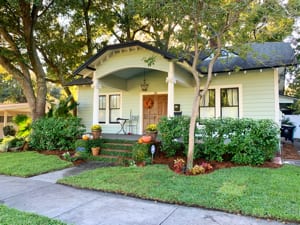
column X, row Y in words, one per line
column 119, row 46
column 256, row 56
column 80, row 81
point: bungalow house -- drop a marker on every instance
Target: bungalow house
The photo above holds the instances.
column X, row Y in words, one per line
column 117, row 85
column 8, row 111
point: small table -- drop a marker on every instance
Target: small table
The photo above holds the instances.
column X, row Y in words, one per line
column 122, row 122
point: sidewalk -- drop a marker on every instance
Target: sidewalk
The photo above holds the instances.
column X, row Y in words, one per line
column 41, row 195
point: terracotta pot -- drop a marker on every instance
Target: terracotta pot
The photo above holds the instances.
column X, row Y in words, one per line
column 95, row 151
column 96, row 134
column 153, row 134
column 141, row 164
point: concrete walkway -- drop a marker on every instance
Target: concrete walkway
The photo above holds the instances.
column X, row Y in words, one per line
column 41, row 195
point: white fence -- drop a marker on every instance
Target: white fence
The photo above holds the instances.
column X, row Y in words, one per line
column 295, row 119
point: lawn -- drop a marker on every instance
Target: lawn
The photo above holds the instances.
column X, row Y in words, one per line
column 15, row 217
column 259, row 192
column 26, row 164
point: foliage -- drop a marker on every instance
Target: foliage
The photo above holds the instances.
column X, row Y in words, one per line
column 170, row 130
column 9, row 130
column 197, row 169
column 81, row 145
column 259, row 192
column 63, row 108
column 16, row 217
column 140, row 152
column 179, row 165
column 26, row 164
column 55, row 133
column 96, row 127
column 247, row 141
column 24, row 125
column 151, row 127
column 95, row 143
column 10, row 91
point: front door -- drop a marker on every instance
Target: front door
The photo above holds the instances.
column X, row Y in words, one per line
column 154, row 107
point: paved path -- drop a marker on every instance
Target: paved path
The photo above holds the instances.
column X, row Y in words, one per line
column 43, row 196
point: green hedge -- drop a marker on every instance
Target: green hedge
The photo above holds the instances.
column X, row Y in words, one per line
column 242, row 141
column 55, row 133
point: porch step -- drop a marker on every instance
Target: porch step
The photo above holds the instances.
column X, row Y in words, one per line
column 116, row 149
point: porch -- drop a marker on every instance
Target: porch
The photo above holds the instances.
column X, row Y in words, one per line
column 132, row 137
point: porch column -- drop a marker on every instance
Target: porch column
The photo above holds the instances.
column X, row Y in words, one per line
column 5, row 118
column 171, row 81
column 95, row 87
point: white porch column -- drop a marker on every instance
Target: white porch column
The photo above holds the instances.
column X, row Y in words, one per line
column 5, row 118
column 171, row 81
column 95, row 87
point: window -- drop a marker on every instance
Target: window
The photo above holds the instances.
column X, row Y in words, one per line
column 229, row 102
column 207, row 104
column 109, row 108
column 102, row 109
column 220, row 102
column 114, row 108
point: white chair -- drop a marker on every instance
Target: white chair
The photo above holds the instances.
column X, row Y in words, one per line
column 132, row 124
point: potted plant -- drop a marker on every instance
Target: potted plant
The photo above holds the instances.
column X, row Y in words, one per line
column 96, row 131
column 140, row 154
column 95, row 145
column 151, row 130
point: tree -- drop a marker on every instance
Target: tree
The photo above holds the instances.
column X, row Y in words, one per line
column 18, row 50
column 217, row 24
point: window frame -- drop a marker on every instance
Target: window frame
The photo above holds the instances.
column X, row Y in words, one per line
column 108, row 109
column 218, row 106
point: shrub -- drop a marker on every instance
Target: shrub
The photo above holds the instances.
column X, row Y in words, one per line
column 170, row 130
column 24, row 125
column 140, row 152
column 9, row 130
column 245, row 141
column 55, row 133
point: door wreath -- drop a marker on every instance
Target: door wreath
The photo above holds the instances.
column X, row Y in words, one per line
column 148, row 103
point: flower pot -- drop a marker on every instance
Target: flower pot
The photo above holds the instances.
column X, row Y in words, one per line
column 153, row 135
column 95, row 151
column 96, row 134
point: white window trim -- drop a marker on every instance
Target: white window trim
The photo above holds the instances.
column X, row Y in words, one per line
column 107, row 106
column 218, row 97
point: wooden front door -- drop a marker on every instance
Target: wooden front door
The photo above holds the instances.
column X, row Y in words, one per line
column 154, row 107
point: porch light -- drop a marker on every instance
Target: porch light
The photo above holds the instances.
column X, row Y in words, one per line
column 144, row 85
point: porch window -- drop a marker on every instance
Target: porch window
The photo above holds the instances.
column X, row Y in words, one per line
column 230, row 102
column 114, row 108
column 208, row 104
column 102, row 108
column 109, row 108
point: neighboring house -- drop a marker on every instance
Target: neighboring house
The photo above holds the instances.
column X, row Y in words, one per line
column 8, row 111
column 110, row 86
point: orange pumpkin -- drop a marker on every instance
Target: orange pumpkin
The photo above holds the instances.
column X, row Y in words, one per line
column 85, row 137
column 140, row 140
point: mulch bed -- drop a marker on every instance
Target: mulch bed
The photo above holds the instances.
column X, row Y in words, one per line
column 288, row 152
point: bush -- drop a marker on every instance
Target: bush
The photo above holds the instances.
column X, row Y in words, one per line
column 55, row 133
column 173, row 133
column 9, row 130
column 244, row 141
column 24, row 125
column 140, row 152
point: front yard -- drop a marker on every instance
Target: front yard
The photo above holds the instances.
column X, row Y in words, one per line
column 259, row 192
column 26, row 164
column 16, row 217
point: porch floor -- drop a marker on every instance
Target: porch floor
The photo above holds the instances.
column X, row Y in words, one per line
column 131, row 137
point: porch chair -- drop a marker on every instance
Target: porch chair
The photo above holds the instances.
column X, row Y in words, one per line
column 133, row 124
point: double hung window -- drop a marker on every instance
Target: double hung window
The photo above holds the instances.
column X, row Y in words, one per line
column 109, row 108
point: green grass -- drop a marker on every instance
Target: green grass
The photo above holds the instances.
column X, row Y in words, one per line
column 260, row 192
column 26, row 164
column 10, row 216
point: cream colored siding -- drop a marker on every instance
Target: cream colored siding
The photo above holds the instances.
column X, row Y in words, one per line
column 130, row 60
column 184, row 97
column 85, row 107
column 256, row 93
